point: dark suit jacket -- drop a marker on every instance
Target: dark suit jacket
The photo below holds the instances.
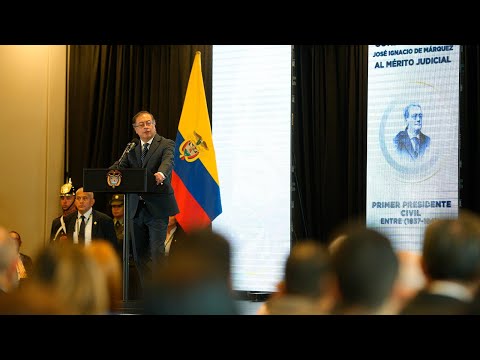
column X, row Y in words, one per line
column 404, row 147
column 425, row 303
column 55, row 226
column 160, row 201
column 102, row 227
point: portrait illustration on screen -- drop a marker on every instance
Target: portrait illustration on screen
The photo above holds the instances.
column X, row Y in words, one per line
column 411, row 143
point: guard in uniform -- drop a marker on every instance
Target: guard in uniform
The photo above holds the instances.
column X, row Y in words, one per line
column 67, row 202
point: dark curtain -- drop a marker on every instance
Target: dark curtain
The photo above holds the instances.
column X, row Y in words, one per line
column 329, row 138
column 109, row 84
column 470, row 129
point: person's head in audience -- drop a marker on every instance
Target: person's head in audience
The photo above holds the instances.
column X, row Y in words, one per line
column 84, row 200
column 74, row 278
column 307, row 269
column 196, row 279
column 8, row 262
column 307, row 282
column 106, row 256
column 32, row 299
column 67, row 198
column 451, row 264
column 366, row 268
column 451, row 250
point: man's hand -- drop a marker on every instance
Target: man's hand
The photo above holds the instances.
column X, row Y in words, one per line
column 159, row 178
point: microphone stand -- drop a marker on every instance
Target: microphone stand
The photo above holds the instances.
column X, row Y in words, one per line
column 126, row 233
column 129, row 147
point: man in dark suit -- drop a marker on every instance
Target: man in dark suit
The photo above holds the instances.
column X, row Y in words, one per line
column 411, row 143
column 149, row 212
column 96, row 225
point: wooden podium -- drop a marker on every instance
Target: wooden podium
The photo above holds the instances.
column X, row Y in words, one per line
column 122, row 181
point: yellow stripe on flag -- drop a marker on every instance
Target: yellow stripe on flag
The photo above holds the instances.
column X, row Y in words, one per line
column 195, row 121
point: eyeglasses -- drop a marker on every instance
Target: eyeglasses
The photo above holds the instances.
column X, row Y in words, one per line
column 143, row 124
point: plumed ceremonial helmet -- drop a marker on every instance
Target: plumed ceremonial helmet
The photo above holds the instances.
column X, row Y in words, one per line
column 67, row 189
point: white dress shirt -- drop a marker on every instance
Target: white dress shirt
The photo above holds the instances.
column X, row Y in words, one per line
column 88, row 227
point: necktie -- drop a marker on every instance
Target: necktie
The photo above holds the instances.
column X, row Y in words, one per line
column 81, row 232
column 144, row 151
column 416, row 145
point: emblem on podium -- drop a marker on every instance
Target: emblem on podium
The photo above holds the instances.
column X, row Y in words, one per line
column 114, row 178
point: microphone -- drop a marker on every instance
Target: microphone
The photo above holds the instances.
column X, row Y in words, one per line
column 129, row 148
column 131, row 145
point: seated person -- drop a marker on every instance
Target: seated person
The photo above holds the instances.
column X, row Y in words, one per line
column 25, row 263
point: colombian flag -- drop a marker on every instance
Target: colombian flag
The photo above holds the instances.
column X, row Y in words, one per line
column 195, row 177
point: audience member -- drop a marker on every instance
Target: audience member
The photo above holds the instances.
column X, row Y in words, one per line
column 32, row 299
column 8, row 262
column 196, row 280
column 73, row 278
column 366, row 268
column 67, row 202
column 106, row 256
column 451, row 263
column 307, row 283
column 25, row 263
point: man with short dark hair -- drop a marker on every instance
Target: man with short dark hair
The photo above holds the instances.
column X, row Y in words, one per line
column 149, row 211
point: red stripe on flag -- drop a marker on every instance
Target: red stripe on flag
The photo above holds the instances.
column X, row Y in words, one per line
column 191, row 216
